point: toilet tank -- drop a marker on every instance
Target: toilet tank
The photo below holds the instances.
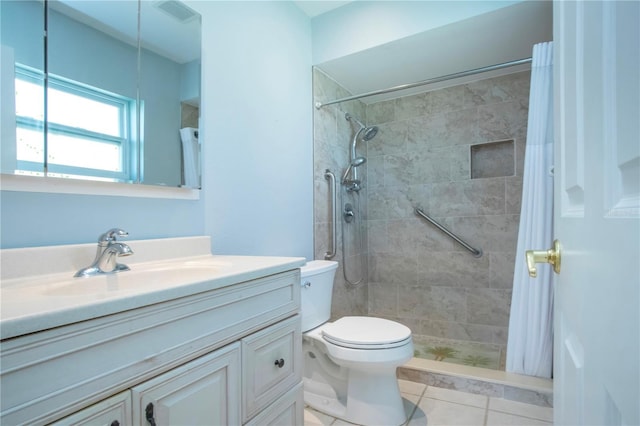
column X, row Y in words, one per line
column 316, row 281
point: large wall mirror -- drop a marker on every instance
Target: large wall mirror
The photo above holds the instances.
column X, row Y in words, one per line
column 122, row 95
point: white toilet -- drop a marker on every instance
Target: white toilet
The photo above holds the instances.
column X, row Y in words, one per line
column 350, row 364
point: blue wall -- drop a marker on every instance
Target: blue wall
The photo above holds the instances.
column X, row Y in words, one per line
column 256, row 128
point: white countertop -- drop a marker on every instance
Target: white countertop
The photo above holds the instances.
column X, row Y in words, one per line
column 38, row 302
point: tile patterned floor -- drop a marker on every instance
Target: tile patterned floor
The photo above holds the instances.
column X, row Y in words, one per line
column 433, row 406
column 476, row 354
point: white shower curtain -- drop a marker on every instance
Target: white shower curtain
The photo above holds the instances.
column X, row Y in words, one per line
column 530, row 342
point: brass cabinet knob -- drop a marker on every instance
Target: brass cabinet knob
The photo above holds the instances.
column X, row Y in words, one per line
column 551, row 256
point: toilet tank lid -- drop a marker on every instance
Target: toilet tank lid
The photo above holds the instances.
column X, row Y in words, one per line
column 317, row 267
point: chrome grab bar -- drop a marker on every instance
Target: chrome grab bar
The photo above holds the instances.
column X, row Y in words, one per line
column 475, row 252
column 332, row 186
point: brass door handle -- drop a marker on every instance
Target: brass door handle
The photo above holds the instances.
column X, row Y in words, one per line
column 551, row 256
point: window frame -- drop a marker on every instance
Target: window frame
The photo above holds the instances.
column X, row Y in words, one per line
column 125, row 141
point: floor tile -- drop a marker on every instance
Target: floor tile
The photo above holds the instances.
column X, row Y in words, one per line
column 316, row 418
column 412, row 388
column 435, row 412
column 496, row 418
column 410, row 402
column 521, row 409
column 456, row 396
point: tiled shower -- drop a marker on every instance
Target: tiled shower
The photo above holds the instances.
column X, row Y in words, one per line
column 457, row 153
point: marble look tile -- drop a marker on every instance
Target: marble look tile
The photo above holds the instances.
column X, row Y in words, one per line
column 521, row 409
column 448, row 303
column 458, row 397
column 390, row 202
column 378, row 236
column 491, row 233
column 498, row 89
column 435, row 412
column 391, row 268
column 488, row 306
column 445, row 100
column 501, row 269
column 506, row 120
column 391, row 139
column 513, row 186
column 411, row 106
column 348, row 300
column 453, row 269
column 466, row 385
column 495, row 418
column 444, row 129
column 375, row 171
column 460, row 162
column 381, row 112
column 468, row 198
column 528, row 396
column 437, row 303
column 383, row 299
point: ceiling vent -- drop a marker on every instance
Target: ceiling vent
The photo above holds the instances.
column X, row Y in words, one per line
column 177, row 9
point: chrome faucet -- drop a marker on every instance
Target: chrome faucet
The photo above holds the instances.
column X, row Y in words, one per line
column 108, row 251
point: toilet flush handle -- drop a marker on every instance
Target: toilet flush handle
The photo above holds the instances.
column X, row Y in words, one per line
column 306, row 284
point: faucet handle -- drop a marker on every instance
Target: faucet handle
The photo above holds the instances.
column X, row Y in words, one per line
column 111, row 234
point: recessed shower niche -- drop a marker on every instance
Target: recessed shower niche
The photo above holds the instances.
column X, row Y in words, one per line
column 493, row 159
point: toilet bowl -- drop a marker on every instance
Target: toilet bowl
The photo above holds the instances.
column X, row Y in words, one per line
column 349, row 364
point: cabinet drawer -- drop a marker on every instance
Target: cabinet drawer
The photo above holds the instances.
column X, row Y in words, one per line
column 114, row 411
column 272, row 364
column 288, row 410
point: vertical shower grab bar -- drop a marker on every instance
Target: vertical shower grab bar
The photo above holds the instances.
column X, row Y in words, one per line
column 332, row 186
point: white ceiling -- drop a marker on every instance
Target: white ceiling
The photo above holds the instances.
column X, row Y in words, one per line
column 314, row 8
column 159, row 31
column 496, row 37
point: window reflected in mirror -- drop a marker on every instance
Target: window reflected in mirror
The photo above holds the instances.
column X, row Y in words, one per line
column 118, row 91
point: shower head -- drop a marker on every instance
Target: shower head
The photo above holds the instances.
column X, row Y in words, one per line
column 370, row 133
column 356, row 162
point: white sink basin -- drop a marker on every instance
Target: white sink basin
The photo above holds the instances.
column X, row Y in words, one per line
column 40, row 301
column 156, row 276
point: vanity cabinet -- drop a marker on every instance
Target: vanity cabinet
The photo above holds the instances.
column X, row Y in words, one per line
column 227, row 356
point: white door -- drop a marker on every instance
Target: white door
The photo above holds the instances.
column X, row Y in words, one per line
column 597, row 205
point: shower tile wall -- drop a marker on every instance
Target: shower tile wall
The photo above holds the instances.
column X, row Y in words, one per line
column 422, row 157
column 332, row 136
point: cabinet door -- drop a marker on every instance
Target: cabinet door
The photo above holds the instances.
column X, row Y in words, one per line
column 286, row 411
column 114, row 411
column 272, row 364
column 205, row 391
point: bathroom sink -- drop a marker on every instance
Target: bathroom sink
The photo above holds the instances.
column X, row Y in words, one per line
column 157, row 276
column 39, row 291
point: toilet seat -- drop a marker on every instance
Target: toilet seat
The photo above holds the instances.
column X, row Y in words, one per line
column 366, row 333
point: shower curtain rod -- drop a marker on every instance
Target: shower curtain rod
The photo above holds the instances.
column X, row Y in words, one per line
column 428, row 81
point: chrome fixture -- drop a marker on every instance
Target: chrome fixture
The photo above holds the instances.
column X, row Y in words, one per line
column 352, row 184
column 426, row 82
column 476, row 252
column 108, row 250
column 363, row 133
column 328, row 174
